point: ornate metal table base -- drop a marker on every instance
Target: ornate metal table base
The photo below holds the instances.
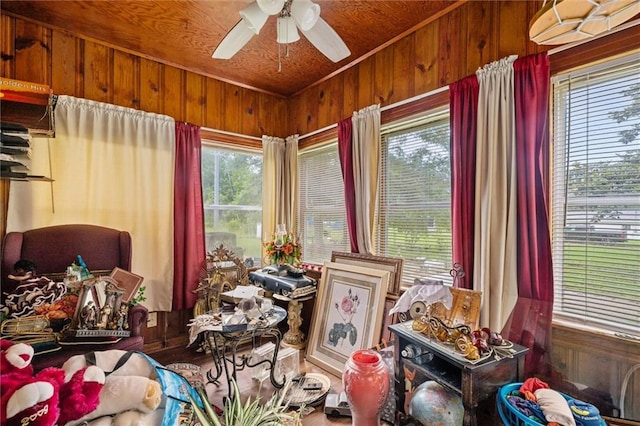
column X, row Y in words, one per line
column 224, row 348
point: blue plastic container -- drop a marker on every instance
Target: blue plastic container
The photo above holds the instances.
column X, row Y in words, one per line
column 508, row 414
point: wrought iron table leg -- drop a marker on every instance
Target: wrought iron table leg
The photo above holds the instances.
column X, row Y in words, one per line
column 216, row 359
column 225, row 352
column 231, row 377
column 275, row 333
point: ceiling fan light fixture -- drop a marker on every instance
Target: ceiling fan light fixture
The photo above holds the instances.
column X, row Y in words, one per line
column 271, row 7
column 565, row 21
column 291, row 16
column 305, row 13
column 287, row 31
column 254, row 17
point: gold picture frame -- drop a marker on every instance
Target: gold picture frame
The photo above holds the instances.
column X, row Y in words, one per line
column 348, row 314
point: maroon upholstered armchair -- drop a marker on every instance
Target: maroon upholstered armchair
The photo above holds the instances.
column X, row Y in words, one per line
column 53, row 249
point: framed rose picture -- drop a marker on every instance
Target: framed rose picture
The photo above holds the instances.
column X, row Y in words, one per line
column 348, row 314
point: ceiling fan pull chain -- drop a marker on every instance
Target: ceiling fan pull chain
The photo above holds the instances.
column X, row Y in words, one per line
column 279, row 59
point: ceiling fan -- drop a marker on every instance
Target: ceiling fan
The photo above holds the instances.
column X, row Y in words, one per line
column 292, row 15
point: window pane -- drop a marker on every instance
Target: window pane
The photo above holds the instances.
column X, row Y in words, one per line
column 596, row 196
column 232, row 192
column 322, row 221
column 415, row 202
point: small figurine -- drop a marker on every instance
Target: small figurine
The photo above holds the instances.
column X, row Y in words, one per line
column 88, row 316
column 105, row 316
column 84, row 270
column 121, row 317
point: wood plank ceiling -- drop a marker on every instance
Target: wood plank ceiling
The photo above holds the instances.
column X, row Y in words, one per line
column 184, row 34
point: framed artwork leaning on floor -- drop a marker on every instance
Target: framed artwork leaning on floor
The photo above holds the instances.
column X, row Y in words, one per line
column 392, row 264
column 347, row 314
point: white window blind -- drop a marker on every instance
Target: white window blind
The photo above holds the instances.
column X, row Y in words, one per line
column 232, row 196
column 322, row 223
column 596, row 195
column 415, row 197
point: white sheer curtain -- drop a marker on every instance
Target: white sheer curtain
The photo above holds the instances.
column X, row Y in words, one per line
column 112, row 167
column 496, row 263
column 272, row 175
column 280, row 183
column 366, row 165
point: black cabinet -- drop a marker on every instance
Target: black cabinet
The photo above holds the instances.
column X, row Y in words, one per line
column 475, row 382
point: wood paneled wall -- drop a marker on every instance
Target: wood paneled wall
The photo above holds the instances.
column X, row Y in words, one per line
column 442, row 52
column 73, row 66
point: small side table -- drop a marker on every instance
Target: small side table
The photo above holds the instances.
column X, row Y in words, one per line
column 294, row 337
column 475, row 383
column 223, row 341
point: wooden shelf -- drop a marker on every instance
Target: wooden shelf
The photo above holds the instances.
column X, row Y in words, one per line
column 29, row 179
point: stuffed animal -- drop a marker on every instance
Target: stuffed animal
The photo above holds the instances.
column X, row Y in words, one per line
column 47, row 398
column 130, row 395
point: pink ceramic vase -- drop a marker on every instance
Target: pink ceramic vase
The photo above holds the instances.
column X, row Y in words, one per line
column 366, row 383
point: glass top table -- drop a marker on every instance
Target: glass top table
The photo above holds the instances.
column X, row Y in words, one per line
column 224, row 340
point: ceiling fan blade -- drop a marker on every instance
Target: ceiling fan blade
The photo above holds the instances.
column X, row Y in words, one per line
column 327, row 41
column 233, row 41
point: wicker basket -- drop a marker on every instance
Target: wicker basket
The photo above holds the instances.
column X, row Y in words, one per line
column 33, row 324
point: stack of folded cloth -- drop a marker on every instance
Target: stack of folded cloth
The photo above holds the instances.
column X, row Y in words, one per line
column 546, row 406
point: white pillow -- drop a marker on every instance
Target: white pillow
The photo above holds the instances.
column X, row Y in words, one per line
column 555, row 407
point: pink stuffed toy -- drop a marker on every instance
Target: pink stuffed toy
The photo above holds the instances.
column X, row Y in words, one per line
column 44, row 399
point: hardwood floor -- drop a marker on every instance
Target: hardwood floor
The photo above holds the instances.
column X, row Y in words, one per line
column 251, row 387
column 486, row 413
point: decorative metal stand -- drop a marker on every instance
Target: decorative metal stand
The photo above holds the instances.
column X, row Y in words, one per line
column 224, row 343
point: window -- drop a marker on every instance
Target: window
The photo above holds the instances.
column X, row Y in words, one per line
column 596, row 195
column 415, row 197
column 322, row 222
column 232, row 195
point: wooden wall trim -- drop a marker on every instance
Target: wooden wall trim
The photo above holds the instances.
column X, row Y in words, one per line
column 410, row 109
column 319, row 138
column 230, row 139
column 618, row 43
column 387, row 116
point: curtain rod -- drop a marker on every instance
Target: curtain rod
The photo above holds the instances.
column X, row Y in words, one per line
column 384, row 108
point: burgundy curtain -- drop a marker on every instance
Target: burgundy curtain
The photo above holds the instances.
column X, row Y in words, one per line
column 189, row 239
column 345, row 151
column 463, row 97
column 530, row 322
